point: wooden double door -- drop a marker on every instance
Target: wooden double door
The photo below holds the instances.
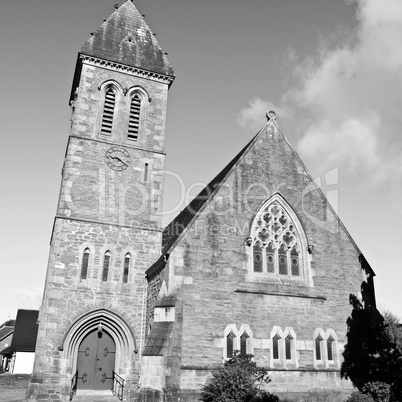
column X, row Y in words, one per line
column 96, row 359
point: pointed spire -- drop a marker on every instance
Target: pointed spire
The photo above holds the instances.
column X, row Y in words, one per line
column 127, row 39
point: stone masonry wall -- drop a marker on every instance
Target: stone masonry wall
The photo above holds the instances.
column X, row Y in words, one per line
column 103, row 210
column 218, row 286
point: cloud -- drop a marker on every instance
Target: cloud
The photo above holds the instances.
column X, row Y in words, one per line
column 14, row 299
column 347, row 99
column 253, row 115
column 352, row 94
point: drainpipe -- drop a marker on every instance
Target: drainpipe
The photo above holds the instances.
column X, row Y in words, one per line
column 143, row 318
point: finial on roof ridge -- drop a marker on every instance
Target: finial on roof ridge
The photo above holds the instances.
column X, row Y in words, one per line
column 271, row 115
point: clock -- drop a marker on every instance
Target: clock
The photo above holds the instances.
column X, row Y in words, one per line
column 117, row 158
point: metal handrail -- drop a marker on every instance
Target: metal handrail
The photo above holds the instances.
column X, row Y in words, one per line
column 73, row 389
column 118, row 386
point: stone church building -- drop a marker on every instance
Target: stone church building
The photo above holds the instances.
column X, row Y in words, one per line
column 258, row 262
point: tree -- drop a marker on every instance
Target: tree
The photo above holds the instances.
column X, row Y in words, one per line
column 238, row 380
column 372, row 353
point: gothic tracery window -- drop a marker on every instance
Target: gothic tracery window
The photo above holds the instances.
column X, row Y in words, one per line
column 276, row 243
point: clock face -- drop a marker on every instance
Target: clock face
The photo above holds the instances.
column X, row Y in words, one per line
column 117, row 158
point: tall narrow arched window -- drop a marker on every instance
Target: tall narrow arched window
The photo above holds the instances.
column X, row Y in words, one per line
column 282, row 260
column 257, row 255
column 108, row 111
column 275, row 347
column 318, row 352
column 330, row 347
column 288, row 347
column 84, row 265
column 229, row 345
column 270, row 258
column 106, row 262
column 294, row 262
column 243, row 343
column 134, row 119
column 127, row 259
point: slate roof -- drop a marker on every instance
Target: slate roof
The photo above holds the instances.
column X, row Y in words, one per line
column 172, row 231
column 25, row 331
column 6, row 329
column 127, row 39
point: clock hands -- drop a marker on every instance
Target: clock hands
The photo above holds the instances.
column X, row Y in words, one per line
column 118, row 159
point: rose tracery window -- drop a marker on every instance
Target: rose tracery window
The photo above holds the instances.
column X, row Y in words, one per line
column 276, row 243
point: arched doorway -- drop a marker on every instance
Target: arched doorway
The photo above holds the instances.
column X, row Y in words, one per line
column 96, row 361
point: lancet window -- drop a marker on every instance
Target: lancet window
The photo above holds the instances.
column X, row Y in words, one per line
column 325, row 344
column 106, row 262
column 230, row 345
column 283, row 350
column 127, row 259
column 276, row 243
column 84, row 264
column 237, row 340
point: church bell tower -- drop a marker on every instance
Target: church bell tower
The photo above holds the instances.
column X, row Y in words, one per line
column 107, row 230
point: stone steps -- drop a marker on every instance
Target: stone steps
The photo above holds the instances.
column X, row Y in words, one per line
column 95, row 396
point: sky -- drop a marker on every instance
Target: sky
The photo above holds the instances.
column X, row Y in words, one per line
column 331, row 69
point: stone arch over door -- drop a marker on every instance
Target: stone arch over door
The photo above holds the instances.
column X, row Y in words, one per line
column 91, row 323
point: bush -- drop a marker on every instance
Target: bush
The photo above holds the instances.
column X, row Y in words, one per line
column 263, row 396
column 359, row 397
column 239, row 380
column 379, row 391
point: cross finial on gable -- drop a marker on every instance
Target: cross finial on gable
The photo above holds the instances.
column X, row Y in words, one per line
column 271, row 115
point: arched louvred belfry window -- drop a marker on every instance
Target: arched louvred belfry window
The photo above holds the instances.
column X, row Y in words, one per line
column 282, row 260
column 294, row 261
column 277, row 241
column 243, row 343
column 106, row 262
column 257, row 254
column 275, row 347
column 318, row 351
column 127, row 259
column 85, row 262
column 230, row 345
column 330, row 347
column 134, row 119
column 108, row 111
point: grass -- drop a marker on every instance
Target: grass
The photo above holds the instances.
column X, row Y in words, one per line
column 13, row 387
